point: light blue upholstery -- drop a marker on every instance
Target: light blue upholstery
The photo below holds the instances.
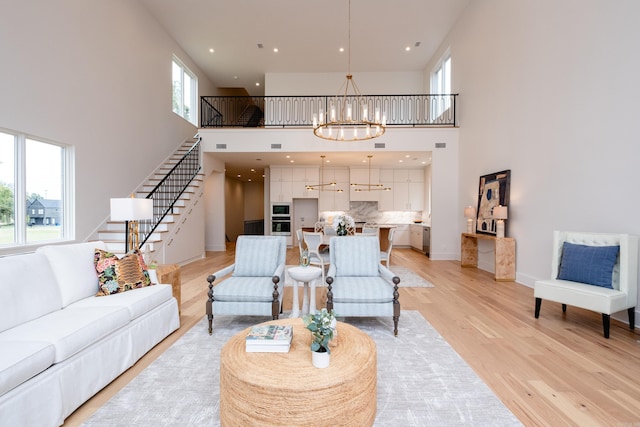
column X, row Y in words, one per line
column 256, row 284
column 358, row 285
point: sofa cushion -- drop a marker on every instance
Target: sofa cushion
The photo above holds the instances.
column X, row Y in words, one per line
column 365, row 290
column 73, row 269
column 28, row 289
column 245, row 289
column 71, row 329
column 138, row 302
column 116, row 275
column 592, row 265
column 256, row 257
column 22, row 360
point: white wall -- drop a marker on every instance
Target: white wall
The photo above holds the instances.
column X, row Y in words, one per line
column 369, row 83
column 548, row 89
column 95, row 75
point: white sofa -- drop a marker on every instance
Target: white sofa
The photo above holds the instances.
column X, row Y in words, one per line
column 59, row 343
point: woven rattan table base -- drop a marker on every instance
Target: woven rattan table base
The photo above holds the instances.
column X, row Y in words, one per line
column 284, row 389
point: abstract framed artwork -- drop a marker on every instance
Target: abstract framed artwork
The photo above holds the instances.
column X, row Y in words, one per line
column 493, row 191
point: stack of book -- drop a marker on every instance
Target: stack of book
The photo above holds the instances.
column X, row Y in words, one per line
column 269, row 339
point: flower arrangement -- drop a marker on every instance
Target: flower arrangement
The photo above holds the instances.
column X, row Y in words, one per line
column 322, row 326
column 341, row 222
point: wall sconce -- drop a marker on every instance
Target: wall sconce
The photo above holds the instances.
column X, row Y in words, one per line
column 470, row 214
column 500, row 213
column 131, row 210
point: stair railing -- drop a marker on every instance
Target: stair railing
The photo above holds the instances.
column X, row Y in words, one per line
column 169, row 189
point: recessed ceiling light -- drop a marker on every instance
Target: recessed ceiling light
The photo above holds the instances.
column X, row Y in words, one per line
column 257, row 83
column 424, row 163
column 288, row 157
column 235, row 77
column 341, row 49
column 407, row 156
column 211, row 50
column 291, row 161
column 400, row 161
column 408, row 48
column 253, row 170
column 275, row 50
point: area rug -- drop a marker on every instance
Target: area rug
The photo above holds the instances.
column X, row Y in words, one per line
column 422, row 381
column 408, row 279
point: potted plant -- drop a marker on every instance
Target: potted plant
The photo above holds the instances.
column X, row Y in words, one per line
column 322, row 325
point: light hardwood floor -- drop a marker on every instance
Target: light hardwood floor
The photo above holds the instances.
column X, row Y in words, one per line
column 553, row 371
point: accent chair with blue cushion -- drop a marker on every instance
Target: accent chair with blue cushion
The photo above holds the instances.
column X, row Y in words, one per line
column 358, row 285
column 255, row 286
column 594, row 271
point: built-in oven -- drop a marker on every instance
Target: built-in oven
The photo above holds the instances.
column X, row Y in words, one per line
column 281, row 226
column 281, row 219
column 280, row 210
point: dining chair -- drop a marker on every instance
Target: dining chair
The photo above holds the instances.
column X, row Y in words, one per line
column 385, row 256
column 318, row 227
column 316, row 256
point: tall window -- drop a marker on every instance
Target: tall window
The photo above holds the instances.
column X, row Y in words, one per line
column 441, row 85
column 35, row 201
column 185, row 91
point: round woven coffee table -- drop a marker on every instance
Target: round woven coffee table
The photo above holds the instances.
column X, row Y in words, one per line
column 284, row 389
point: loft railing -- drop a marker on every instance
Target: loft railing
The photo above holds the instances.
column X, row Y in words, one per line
column 169, row 190
column 297, row 111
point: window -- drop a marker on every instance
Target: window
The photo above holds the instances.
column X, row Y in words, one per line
column 35, row 187
column 185, row 91
column 441, row 85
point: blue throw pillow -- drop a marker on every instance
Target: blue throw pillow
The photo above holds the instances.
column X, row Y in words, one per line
column 588, row 264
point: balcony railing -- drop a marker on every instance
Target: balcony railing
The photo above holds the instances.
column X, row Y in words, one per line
column 297, row 111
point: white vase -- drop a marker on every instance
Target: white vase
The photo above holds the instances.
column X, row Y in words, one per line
column 320, row 360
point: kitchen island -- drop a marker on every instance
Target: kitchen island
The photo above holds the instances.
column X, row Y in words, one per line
column 383, row 235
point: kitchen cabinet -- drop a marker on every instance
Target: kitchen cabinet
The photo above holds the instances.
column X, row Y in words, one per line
column 402, row 235
column 287, row 183
column 408, row 189
column 416, row 233
column 333, row 200
column 301, row 177
column 365, row 176
column 385, row 198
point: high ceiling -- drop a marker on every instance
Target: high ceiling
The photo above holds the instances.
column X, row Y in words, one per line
column 308, row 35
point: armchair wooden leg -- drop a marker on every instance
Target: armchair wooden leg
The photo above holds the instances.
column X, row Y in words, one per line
column 632, row 317
column 606, row 322
column 538, row 304
column 209, row 305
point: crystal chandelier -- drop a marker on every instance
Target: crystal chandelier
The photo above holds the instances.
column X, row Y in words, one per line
column 321, row 187
column 369, row 186
column 349, row 118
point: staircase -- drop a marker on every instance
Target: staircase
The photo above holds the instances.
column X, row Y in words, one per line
column 113, row 233
column 251, row 116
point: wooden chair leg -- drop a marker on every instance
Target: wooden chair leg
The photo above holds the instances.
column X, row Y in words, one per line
column 538, row 304
column 606, row 322
column 564, row 308
column 632, row 317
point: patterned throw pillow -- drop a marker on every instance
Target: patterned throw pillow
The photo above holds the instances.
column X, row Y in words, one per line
column 117, row 275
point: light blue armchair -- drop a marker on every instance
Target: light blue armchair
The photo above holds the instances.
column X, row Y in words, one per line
column 255, row 286
column 358, row 285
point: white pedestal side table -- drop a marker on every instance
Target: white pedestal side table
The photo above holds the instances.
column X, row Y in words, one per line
column 306, row 275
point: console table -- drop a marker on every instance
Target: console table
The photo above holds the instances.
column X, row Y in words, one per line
column 505, row 259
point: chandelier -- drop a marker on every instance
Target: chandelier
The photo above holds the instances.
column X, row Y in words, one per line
column 349, row 118
column 321, row 186
column 369, row 186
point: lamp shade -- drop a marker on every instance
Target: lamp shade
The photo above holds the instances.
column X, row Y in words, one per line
column 469, row 212
column 500, row 212
column 131, row 209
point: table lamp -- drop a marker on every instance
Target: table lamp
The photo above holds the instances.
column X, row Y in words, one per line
column 470, row 214
column 131, row 210
column 500, row 214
